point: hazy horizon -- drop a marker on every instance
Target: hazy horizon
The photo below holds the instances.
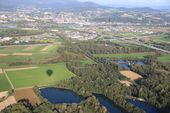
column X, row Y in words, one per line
column 159, row 4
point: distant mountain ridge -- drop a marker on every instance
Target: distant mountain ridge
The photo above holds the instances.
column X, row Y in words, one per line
column 56, row 4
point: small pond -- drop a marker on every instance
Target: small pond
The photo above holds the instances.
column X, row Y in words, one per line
column 126, row 64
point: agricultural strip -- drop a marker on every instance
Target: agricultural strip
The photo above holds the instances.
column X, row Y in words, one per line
column 22, row 54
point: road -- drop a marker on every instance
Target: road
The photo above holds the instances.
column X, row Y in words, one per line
column 129, row 40
column 12, row 86
column 149, row 46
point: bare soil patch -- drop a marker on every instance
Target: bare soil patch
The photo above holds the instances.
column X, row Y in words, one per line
column 3, row 55
column 9, row 101
column 27, row 94
column 46, row 47
column 22, row 54
column 127, row 83
column 131, row 75
column 1, row 71
column 16, row 69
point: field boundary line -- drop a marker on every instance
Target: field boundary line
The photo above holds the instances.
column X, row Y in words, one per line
column 12, row 86
column 18, row 69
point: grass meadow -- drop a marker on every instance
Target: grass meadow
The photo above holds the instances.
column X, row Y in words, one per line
column 39, row 76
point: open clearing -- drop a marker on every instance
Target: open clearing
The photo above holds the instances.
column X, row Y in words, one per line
column 9, row 101
column 164, row 58
column 22, row 54
column 39, row 76
column 118, row 56
column 26, row 94
column 131, row 75
column 127, row 83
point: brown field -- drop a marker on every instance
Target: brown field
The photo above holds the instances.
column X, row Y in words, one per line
column 27, row 94
column 1, row 71
column 22, row 54
column 3, row 55
column 131, row 75
column 46, row 47
column 15, row 69
column 127, row 83
column 9, row 101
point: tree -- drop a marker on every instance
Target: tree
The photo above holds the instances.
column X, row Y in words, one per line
column 49, row 72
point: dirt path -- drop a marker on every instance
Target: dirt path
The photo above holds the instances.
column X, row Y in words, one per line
column 9, row 101
column 1, row 71
column 16, row 69
column 12, row 86
column 46, row 48
column 29, row 48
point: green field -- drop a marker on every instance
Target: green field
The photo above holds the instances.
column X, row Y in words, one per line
column 4, row 85
column 120, row 56
column 37, row 55
column 88, row 62
column 164, row 58
column 39, row 76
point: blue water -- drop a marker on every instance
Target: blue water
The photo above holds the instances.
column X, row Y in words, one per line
column 126, row 64
column 144, row 106
column 111, row 107
column 59, row 96
column 139, row 63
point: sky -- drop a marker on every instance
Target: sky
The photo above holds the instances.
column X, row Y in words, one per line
column 134, row 3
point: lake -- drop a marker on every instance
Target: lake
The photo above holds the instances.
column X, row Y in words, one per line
column 59, row 96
